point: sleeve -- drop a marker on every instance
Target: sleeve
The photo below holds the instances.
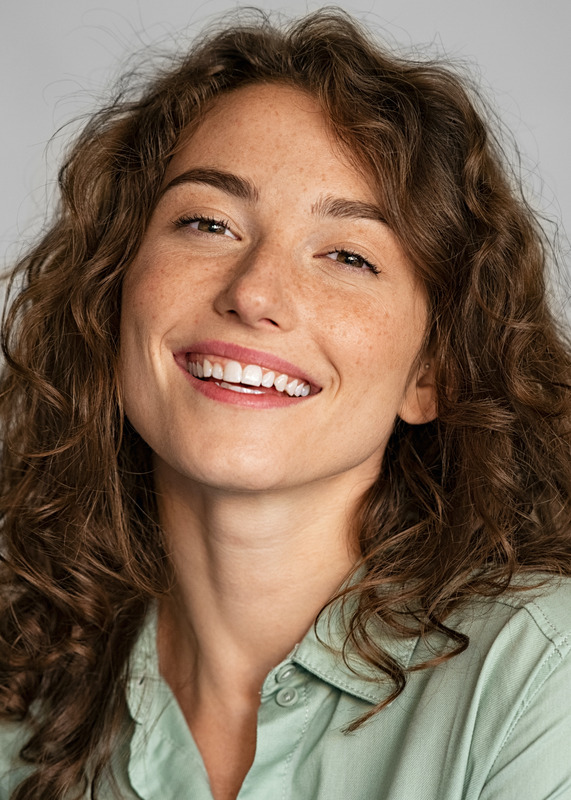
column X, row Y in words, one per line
column 534, row 760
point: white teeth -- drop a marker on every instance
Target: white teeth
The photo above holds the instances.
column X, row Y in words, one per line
column 291, row 387
column 233, row 372
column 236, row 388
column 217, row 372
column 281, row 382
column 268, row 379
column 252, row 375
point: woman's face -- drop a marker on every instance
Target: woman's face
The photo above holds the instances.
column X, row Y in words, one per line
column 266, row 254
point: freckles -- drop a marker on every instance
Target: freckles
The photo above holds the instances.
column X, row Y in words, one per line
column 157, row 284
column 147, row 302
column 380, row 338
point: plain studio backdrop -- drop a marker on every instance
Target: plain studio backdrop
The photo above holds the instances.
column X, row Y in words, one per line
column 60, row 57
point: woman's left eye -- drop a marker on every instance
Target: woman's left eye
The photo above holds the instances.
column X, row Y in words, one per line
column 217, row 227
column 351, row 259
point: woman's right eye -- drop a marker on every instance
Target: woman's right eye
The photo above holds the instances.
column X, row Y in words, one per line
column 217, row 227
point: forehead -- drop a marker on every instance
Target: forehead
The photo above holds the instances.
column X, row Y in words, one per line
column 276, row 131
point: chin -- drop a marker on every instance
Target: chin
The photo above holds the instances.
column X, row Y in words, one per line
column 232, row 472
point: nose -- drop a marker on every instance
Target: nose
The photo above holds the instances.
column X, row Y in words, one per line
column 258, row 291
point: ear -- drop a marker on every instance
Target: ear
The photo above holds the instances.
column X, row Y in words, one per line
column 419, row 401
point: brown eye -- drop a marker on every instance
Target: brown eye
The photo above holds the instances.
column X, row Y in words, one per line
column 217, row 227
column 351, row 259
column 209, row 226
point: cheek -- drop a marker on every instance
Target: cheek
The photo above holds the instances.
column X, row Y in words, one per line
column 142, row 309
column 156, row 291
column 381, row 338
column 147, row 287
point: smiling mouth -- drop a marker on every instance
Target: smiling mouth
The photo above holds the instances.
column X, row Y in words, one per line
column 244, row 378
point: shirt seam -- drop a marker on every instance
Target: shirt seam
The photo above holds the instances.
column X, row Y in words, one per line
column 553, row 634
column 556, row 637
column 527, row 702
column 338, row 683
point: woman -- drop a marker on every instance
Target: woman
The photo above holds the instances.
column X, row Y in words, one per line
column 286, row 451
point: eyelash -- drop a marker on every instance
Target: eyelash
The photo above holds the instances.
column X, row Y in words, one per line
column 181, row 222
column 343, row 251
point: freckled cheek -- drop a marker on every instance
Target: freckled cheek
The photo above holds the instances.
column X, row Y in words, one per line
column 155, row 293
column 377, row 340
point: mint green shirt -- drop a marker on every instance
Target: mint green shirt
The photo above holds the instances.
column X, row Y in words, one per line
column 491, row 724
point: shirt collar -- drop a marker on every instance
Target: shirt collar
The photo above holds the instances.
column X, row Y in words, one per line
column 144, row 668
column 320, row 652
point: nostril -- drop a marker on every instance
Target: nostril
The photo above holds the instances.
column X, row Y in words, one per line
column 262, row 321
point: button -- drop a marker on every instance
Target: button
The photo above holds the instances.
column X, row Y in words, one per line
column 286, row 697
column 285, row 673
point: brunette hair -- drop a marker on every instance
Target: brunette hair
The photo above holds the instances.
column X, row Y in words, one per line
column 462, row 504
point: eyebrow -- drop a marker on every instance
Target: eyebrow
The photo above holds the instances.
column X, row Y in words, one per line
column 327, row 206
column 226, row 181
column 340, row 208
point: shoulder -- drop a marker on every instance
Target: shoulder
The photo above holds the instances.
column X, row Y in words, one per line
column 547, row 601
column 522, row 643
column 518, row 670
column 532, row 619
column 523, row 634
column 502, row 707
column 534, row 615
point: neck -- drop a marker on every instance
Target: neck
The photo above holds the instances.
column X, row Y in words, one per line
column 252, row 572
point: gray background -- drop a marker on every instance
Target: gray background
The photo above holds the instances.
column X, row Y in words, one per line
column 57, row 58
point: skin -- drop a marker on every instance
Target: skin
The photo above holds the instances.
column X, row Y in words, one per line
column 257, row 503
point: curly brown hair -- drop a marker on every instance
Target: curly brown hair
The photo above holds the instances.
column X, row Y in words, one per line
column 462, row 504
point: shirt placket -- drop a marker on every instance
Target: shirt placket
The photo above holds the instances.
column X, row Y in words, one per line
column 283, row 719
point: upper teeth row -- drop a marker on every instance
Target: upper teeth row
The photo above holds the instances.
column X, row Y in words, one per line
column 250, row 375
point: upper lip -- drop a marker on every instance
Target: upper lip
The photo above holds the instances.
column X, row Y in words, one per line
column 246, row 355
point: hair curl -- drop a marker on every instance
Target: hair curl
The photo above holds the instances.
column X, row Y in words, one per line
column 462, row 504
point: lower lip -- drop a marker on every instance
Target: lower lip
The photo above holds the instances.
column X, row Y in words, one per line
column 269, row 399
